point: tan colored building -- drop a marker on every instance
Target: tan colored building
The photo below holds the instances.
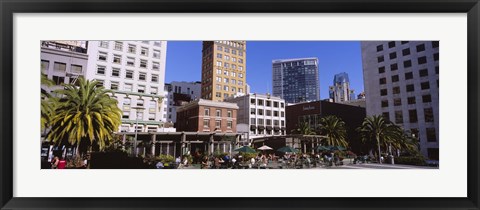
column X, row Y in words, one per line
column 207, row 116
column 223, row 69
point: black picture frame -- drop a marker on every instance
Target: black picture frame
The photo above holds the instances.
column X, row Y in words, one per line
column 10, row 7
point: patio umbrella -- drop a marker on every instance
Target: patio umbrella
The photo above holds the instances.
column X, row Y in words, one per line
column 322, row 148
column 264, row 147
column 287, row 149
column 245, row 149
column 337, row 148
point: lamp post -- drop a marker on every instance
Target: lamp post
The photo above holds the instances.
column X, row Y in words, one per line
column 136, row 129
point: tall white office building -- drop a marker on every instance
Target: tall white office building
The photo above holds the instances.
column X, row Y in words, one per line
column 135, row 72
column 401, row 83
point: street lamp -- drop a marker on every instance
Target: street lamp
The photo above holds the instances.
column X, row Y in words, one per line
column 136, row 129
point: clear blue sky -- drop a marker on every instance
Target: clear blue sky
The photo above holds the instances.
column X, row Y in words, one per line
column 184, row 60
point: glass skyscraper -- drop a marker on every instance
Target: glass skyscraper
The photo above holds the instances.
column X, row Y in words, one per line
column 296, row 80
column 340, row 91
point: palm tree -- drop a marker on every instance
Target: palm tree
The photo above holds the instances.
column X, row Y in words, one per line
column 304, row 128
column 335, row 130
column 47, row 103
column 85, row 115
column 383, row 132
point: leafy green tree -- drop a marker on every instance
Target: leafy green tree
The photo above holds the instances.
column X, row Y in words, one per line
column 85, row 115
column 376, row 128
column 335, row 130
column 304, row 128
column 47, row 102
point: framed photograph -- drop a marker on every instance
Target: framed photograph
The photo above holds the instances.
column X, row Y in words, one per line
column 240, row 87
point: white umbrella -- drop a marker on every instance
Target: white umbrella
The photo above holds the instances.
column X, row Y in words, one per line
column 265, row 147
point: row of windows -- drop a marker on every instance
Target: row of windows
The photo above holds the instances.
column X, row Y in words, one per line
column 420, row 47
column 254, row 111
column 229, row 88
column 406, row 63
column 226, row 95
column 410, row 100
column 61, row 67
column 412, row 114
column 128, row 87
column 218, row 113
column 130, row 61
column 268, row 103
column 229, row 65
column 409, row 88
column 129, row 74
column 117, row 45
column 232, row 44
column 408, row 76
column 268, row 122
column 218, row 123
column 431, row 135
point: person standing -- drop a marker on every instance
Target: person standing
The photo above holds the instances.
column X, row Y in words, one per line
column 54, row 162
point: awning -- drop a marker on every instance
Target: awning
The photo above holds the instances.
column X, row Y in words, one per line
column 276, row 128
column 261, row 127
column 269, row 128
column 253, row 127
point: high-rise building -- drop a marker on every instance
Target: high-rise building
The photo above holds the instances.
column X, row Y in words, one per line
column 223, row 69
column 135, row 72
column 340, row 91
column 401, row 83
column 296, row 80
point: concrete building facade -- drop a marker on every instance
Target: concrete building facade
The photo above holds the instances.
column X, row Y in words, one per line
column 401, row 83
column 296, row 80
column 264, row 114
column 135, row 72
column 179, row 94
column 223, row 69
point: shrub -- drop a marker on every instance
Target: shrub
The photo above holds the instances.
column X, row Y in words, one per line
column 411, row 160
column 165, row 158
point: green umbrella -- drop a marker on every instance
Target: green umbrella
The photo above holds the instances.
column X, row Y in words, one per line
column 322, row 148
column 287, row 149
column 245, row 149
column 337, row 148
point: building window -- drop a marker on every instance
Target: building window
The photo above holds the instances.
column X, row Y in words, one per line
column 404, row 42
column 275, row 104
column 435, row 57
column 383, row 92
column 227, row 57
column 140, row 103
column 155, row 66
column 157, row 43
column 275, row 113
column 397, row 102
column 77, row 69
column 58, row 80
column 395, row 78
column 422, row 60
column 380, row 59
column 130, row 61
column 141, row 89
column 127, row 87
column 269, row 113
column 408, row 75
column 425, row 85
column 436, row 69
column 143, row 63
column 410, row 88
column 229, row 124
column 394, row 67
column 428, row 112
column 386, row 116
column 385, row 103
column 44, row 65
column 260, row 121
column 142, row 76
column 407, row 63
column 153, row 90
column 431, row 137
column 252, row 111
column 240, row 68
column 282, row 105
column 144, row 51
column 114, row 85
column 219, row 63
column 132, row 48
column 260, row 102
column 103, row 44
column 435, row 44
column 206, row 123
column 260, row 111
column 396, row 90
column 411, row 100
column 412, row 115
column 427, row 98
column 240, row 75
column 126, row 115
column 99, row 83
column 152, row 106
column 269, row 103
column 229, row 114
column 379, row 48
column 156, row 54
column 59, row 66
column 393, row 55
column 218, row 123
column 118, row 46
column 117, row 59
column 129, row 74
column 218, row 113
column 421, row 48
column 253, row 121
column 423, row 72
column 381, row 69
column 391, row 44
column 398, row 117
column 101, row 70
column 225, row 87
column 227, row 50
column 154, row 78
column 102, row 56
column 282, row 114
column 406, row 52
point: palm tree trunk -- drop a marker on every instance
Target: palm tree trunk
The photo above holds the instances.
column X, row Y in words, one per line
column 379, row 152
